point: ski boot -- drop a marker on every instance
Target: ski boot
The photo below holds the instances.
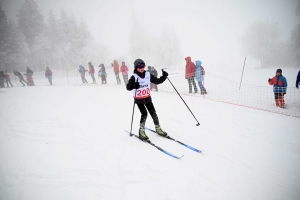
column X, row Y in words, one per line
column 160, row 132
column 142, row 134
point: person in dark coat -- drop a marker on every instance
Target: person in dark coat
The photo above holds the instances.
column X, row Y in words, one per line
column 2, row 79
column 139, row 84
column 102, row 74
column 18, row 74
column 298, row 80
column 154, row 73
column 29, row 74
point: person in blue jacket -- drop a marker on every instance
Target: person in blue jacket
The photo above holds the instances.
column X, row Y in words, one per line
column 200, row 76
column 82, row 73
column 298, row 80
column 279, row 88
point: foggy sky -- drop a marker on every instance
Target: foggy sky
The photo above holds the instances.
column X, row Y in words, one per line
column 208, row 30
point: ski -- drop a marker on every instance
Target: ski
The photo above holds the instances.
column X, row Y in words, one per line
column 168, row 137
column 149, row 142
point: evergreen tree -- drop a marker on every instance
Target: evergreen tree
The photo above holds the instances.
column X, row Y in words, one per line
column 31, row 23
column 262, row 42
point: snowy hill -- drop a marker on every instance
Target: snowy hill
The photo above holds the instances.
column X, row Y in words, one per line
column 69, row 142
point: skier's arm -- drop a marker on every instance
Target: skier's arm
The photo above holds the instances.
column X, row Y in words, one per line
column 130, row 84
column 160, row 80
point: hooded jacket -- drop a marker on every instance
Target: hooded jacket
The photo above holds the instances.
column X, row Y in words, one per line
column 189, row 68
column 199, row 76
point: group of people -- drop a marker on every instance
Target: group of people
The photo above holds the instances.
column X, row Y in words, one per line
column 193, row 70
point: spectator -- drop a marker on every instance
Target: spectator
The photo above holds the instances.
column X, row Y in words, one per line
column 298, row 80
column 82, row 71
column 2, row 79
column 29, row 74
column 200, row 76
column 7, row 79
column 154, row 73
column 190, row 74
column 116, row 70
column 124, row 70
column 92, row 72
column 48, row 75
column 18, row 74
column 279, row 88
column 102, row 74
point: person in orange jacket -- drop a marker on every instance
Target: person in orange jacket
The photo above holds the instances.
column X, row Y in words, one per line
column 279, row 88
column 190, row 69
column 116, row 70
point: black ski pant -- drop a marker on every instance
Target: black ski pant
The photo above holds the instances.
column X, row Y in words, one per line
column 152, row 111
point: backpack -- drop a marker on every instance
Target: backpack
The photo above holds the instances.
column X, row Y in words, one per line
column 202, row 70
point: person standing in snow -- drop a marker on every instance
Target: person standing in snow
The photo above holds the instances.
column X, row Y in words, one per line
column 298, row 80
column 154, row 73
column 2, row 79
column 18, row 74
column 92, row 72
column 102, row 74
column 279, row 88
column 124, row 70
column 48, row 75
column 7, row 79
column 116, row 70
column 190, row 74
column 139, row 84
column 200, row 76
column 82, row 73
column 29, row 74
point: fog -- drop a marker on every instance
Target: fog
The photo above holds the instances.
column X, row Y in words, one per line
column 207, row 30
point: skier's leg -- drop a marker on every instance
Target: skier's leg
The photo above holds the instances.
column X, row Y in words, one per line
column 142, row 134
column 195, row 86
column 152, row 111
column 190, row 85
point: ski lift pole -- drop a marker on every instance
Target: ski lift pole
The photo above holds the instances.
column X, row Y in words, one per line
column 242, row 74
column 183, row 100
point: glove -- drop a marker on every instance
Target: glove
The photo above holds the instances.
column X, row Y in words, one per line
column 165, row 74
column 136, row 85
column 269, row 80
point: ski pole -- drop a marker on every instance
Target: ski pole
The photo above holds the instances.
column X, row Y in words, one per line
column 133, row 111
column 183, row 100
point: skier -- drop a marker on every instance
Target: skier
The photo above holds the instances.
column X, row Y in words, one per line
column 48, row 75
column 124, row 70
column 200, row 76
column 298, row 80
column 139, row 83
column 29, row 74
column 279, row 88
column 7, row 79
column 18, row 74
column 154, row 73
column 190, row 74
column 92, row 71
column 82, row 73
column 116, row 70
column 102, row 74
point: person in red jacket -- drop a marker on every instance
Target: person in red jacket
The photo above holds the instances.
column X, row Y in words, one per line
column 116, row 70
column 190, row 69
column 7, row 79
column 92, row 72
column 124, row 70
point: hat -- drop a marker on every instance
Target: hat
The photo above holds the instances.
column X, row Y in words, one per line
column 279, row 71
column 138, row 62
column 149, row 67
column 89, row 63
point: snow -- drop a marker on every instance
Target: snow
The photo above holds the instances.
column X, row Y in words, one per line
column 69, row 142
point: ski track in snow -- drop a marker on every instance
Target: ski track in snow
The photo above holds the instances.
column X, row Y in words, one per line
column 68, row 142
